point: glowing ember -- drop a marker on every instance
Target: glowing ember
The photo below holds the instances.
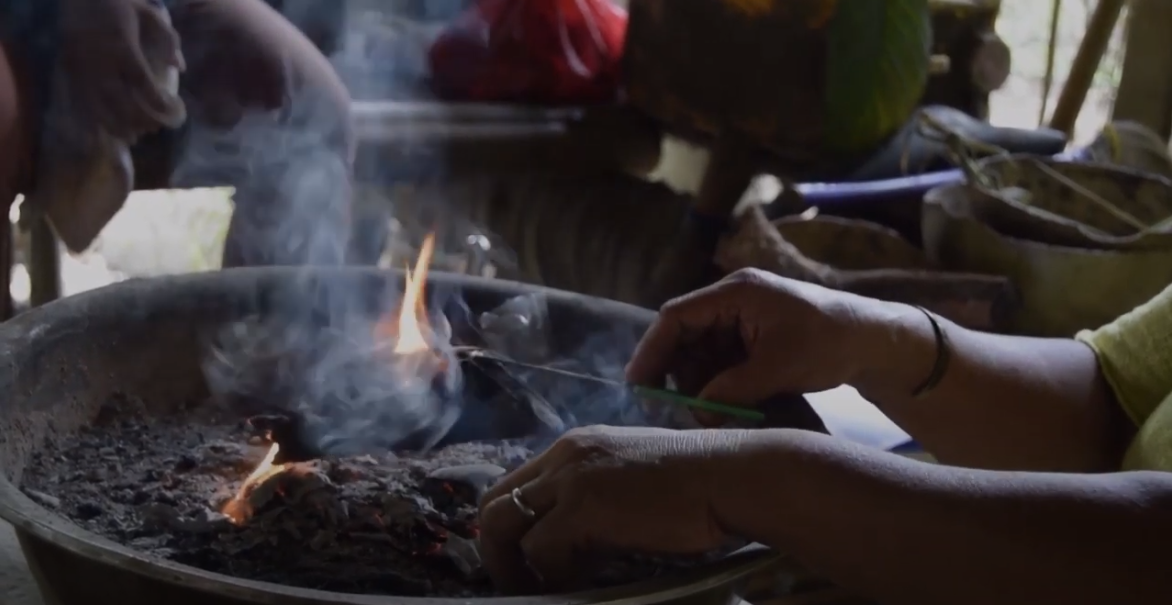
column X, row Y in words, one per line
column 237, row 509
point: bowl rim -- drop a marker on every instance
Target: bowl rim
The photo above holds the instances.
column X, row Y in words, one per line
column 31, row 519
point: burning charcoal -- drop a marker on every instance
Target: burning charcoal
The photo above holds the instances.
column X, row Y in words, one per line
column 405, row 509
column 475, row 479
column 288, row 431
column 303, row 478
column 348, row 471
column 294, row 483
column 464, row 554
column 43, row 499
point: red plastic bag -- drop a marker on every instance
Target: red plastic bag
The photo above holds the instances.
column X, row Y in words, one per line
column 531, row 51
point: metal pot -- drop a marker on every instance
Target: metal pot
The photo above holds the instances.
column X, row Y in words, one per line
column 142, row 338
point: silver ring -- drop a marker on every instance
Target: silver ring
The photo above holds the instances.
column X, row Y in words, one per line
column 524, row 508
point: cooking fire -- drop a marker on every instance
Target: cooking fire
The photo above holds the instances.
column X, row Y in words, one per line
column 262, row 491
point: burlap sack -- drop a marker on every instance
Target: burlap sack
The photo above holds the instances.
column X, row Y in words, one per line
column 867, row 259
column 1062, row 289
column 1094, row 206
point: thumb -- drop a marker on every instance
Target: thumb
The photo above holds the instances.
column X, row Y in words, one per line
column 743, row 385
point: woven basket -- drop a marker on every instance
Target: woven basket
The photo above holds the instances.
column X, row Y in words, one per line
column 1062, row 289
column 851, row 245
column 1094, row 206
column 867, row 259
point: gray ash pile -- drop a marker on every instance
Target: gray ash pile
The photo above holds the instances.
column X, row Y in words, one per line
column 211, row 494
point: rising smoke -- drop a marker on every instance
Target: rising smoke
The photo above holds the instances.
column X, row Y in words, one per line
column 315, row 351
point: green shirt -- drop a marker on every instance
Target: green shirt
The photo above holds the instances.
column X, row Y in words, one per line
column 1135, row 354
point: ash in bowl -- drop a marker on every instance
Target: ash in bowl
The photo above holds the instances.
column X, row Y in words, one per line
column 308, row 469
column 395, row 524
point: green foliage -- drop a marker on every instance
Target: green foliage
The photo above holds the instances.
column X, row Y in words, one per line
column 877, row 70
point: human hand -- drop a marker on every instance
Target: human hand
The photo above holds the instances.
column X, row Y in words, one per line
column 598, row 490
column 754, row 335
column 113, row 52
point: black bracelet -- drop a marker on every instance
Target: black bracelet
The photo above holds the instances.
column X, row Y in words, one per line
column 943, row 356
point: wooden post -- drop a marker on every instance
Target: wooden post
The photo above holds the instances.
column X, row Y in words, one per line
column 688, row 264
column 7, row 256
column 1145, row 89
column 1086, row 63
column 44, row 264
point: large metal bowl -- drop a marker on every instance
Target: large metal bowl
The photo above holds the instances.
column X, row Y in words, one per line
column 142, row 338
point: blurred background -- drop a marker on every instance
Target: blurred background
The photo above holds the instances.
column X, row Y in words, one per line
column 162, row 232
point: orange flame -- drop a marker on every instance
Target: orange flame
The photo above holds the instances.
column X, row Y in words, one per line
column 415, row 359
column 410, row 337
column 237, row 509
column 414, row 352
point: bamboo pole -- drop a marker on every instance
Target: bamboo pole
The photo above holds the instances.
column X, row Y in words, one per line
column 1086, row 63
column 1051, row 50
column 1145, row 86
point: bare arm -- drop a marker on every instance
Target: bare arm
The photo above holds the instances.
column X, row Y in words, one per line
column 908, row 532
column 1006, row 402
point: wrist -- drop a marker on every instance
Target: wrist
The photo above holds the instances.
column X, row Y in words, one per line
column 745, row 491
column 897, row 350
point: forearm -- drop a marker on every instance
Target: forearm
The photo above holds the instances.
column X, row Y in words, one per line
column 905, row 532
column 1005, row 402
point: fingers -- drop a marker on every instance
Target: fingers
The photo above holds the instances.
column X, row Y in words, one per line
column 740, row 385
column 156, row 36
column 523, row 475
column 562, row 452
column 552, row 546
column 110, row 108
column 652, row 359
column 504, row 523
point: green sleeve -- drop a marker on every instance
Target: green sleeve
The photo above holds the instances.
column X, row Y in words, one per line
column 1135, row 354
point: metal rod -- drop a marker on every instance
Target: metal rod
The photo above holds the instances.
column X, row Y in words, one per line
column 371, row 113
column 642, row 391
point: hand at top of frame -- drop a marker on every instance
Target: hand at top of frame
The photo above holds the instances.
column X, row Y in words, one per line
column 114, row 52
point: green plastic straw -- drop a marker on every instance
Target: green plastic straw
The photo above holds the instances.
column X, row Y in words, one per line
column 646, row 392
column 692, row 402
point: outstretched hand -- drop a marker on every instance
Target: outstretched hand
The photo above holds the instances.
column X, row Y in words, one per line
column 111, row 50
column 602, row 490
column 754, row 335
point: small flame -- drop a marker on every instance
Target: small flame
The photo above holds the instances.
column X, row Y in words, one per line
column 412, row 312
column 237, row 509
